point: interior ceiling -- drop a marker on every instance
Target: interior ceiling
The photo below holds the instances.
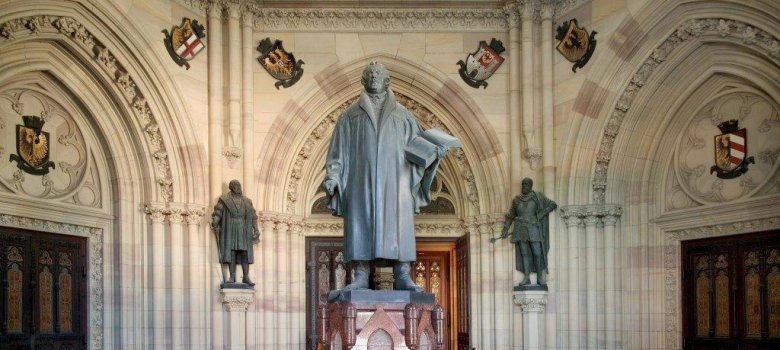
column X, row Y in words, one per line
column 381, row 3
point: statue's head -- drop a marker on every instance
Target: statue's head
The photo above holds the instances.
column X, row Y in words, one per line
column 376, row 79
column 526, row 185
column 235, row 186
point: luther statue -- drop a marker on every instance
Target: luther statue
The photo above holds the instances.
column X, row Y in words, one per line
column 373, row 183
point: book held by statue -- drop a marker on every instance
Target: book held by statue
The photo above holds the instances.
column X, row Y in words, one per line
column 421, row 150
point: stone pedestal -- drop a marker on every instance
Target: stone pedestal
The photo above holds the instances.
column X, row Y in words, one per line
column 369, row 319
column 532, row 304
column 236, row 301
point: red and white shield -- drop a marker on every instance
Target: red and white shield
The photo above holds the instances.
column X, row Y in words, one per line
column 730, row 149
column 190, row 47
column 480, row 65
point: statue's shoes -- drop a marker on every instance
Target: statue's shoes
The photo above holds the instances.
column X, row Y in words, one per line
column 357, row 284
column 404, row 284
column 247, row 281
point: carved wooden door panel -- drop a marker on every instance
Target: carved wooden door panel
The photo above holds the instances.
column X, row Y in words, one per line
column 432, row 273
column 462, row 293
column 43, row 292
column 731, row 292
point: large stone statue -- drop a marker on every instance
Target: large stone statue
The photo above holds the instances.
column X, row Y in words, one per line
column 531, row 234
column 371, row 182
column 235, row 224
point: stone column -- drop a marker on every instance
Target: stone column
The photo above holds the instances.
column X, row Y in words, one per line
column 282, row 289
column 486, row 287
column 532, row 304
column 234, row 76
column 548, row 156
column 573, row 223
column 236, row 303
column 198, row 284
column 611, row 271
column 157, row 214
column 297, row 285
column 265, row 323
column 590, row 257
column 247, row 98
column 176, row 273
column 475, row 275
column 215, row 98
column 515, row 116
column 532, row 151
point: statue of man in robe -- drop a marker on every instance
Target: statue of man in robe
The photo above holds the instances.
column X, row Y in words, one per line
column 531, row 234
column 371, row 183
column 234, row 222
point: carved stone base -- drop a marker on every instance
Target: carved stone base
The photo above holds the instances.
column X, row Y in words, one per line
column 381, row 319
column 236, row 303
column 532, row 304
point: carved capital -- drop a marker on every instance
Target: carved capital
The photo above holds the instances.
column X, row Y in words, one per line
column 233, row 10
column 195, row 215
column 534, row 156
column 156, row 212
column 232, row 154
column 176, row 215
column 214, row 8
column 237, row 299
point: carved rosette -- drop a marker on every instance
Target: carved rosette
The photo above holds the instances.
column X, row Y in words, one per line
column 692, row 29
column 237, row 299
column 19, row 28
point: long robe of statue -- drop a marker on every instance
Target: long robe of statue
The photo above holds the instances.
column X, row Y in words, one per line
column 378, row 191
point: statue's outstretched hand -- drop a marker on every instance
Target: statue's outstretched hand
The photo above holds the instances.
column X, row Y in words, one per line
column 441, row 152
column 330, row 186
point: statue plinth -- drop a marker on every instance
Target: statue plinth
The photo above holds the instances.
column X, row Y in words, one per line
column 362, row 319
column 532, row 304
column 236, row 302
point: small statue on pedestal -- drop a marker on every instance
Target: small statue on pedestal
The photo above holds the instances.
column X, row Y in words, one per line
column 234, row 222
column 531, row 234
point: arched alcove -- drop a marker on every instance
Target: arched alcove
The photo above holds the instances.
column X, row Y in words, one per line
column 291, row 179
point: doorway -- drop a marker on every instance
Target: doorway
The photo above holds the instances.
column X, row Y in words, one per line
column 43, row 299
column 731, row 292
column 441, row 268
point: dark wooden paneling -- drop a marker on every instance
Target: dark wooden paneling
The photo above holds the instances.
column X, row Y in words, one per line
column 731, row 292
column 53, row 284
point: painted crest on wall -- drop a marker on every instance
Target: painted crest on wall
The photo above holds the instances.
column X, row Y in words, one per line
column 481, row 64
column 185, row 41
column 279, row 63
column 731, row 158
column 32, row 147
column 575, row 44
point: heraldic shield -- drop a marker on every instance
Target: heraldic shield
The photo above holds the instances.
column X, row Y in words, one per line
column 279, row 63
column 481, row 64
column 185, row 41
column 575, row 43
column 731, row 158
column 32, row 147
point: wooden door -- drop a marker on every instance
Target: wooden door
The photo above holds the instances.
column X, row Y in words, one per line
column 462, row 292
column 731, row 292
column 43, row 293
column 435, row 261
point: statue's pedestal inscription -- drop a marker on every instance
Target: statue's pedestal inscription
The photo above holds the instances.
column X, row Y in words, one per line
column 364, row 319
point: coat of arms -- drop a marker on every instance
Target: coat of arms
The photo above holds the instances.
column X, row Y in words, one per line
column 731, row 158
column 575, row 43
column 185, row 41
column 32, row 146
column 481, row 64
column 279, row 63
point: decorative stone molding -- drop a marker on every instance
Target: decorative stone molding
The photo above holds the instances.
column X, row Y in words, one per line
column 590, row 214
column 195, row 215
column 531, row 301
column 156, row 212
column 232, row 154
column 534, row 156
column 672, row 264
column 18, row 28
column 326, row 125
column 237, row 299
column 688, row 30
column 96, row 279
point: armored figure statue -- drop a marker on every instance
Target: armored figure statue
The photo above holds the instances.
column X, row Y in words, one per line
column 374, row 184
column 234, row 222
column 531, row 233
